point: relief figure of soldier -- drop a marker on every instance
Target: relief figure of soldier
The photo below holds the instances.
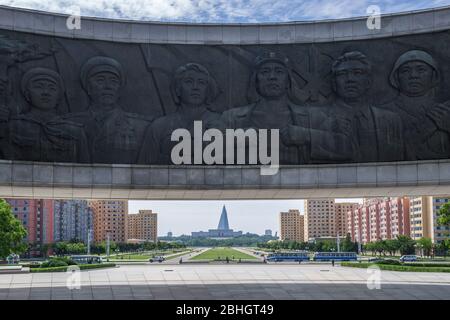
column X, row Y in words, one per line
column 416, row 77
column 272, row 108
column 194, row 91
column 374, row 134
column 40, row 134
column 115, row 135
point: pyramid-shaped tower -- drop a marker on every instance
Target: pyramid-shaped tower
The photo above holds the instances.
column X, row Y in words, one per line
column 223, row 222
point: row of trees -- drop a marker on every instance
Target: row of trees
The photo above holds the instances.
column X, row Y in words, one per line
column 346, row 245
column 246, row 240
column 406, row 245
column 402, row 244
column 74, row 247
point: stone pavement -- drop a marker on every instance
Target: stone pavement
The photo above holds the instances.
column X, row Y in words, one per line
column 229, row 282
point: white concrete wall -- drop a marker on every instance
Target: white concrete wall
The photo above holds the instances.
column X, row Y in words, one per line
column 45, row 23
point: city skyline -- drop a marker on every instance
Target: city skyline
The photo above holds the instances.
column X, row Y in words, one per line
column 183, row 217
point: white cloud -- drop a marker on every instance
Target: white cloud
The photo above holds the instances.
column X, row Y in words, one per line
column 224, row 10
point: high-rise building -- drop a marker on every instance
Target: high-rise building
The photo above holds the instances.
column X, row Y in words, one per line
column 320, row 218
column 292, row 226
column 423, row 213
column 379, row 218
column 400, row 219
column 340, row 217
column 109, row 218
column 142, row 226
column 268, row 232
column 440, row 233
column 373, row 222
column 73, row 220
column 36, row 216
column 420, row 211
column 356, row 222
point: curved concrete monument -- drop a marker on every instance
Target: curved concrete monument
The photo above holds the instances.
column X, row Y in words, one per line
column 89, row 112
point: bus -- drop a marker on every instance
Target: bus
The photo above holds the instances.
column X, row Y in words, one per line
column 337, row 256
column 85, row 259
column 288, row 256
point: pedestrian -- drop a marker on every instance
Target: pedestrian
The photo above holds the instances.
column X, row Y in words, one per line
column 228, row 259
column 181, row 260
column 332, row 262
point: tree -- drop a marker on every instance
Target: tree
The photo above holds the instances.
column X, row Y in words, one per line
column 348, row 245
column 443, row 216
column 425, row 244
column 406, row 245
column 12, row 233
column 370, row 246
column 380, row 247
column 328, row 246
column 44, row 248
column 444, row 247
column 61, row 248
column 76, row 248
column 392, row 246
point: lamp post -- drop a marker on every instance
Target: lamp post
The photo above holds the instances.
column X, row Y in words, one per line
column 89, row 242
column 107, row 246
column 338, row 242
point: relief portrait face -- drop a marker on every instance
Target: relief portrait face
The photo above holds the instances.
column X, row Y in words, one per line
column 193, row 88
column 415, row 78
column 103, row 88
column 272, row 80
column 43, row 93
column 352, row 79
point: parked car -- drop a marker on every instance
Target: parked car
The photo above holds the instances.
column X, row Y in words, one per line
column 408, row 258
column 159, row 259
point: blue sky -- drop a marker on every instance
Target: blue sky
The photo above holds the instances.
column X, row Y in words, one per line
column 227, row 11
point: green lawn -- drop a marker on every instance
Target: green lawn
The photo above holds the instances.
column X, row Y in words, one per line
column 140, row 256
column 222, row 253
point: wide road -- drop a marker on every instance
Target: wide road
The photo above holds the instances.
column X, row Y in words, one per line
column 233, row 281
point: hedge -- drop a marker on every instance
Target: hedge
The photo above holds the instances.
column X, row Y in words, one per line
column 425, row 264
column 81, row 266
column 407, row 268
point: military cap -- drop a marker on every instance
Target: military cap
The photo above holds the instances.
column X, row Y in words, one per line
column 41, row 73
column 101, row 64
column 409, row 56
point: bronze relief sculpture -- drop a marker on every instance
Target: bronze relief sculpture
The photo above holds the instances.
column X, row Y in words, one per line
column 40, row 134
column 194, row 90
column 114, row 135
column 73, row 103
column 416, row 76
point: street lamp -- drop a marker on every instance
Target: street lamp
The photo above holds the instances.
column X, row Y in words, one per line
column 107, row 245
column 89, row 242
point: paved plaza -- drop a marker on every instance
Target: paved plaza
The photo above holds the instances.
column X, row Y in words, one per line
column 230, row 282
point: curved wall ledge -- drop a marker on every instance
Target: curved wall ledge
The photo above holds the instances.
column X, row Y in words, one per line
column 44, row 180
column 38, row 22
